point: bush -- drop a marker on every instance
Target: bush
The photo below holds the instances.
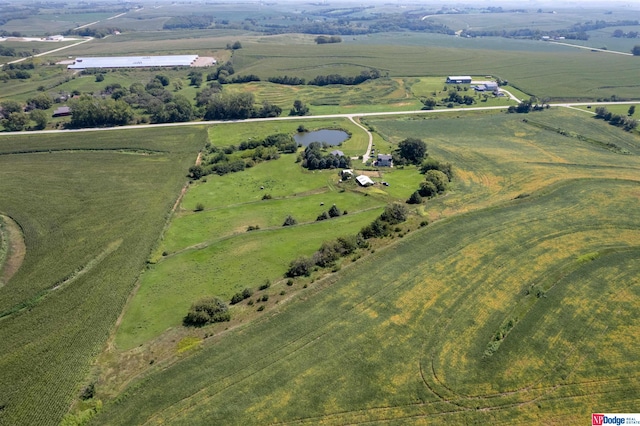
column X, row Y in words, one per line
column 265, row 286
column 322, row 216
column 207, row 311
column 240, row 296
column 299, row 267
column 394, row 213
column 289, row 221
column 415, row 198
column 261, row 308
column 199, row 207
column 266, row 197
column 334, row 211
column 265, row 298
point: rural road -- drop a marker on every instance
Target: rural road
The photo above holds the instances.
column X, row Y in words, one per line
column 349, row 116
column 593, row 49
column 366, row 155
column 51, row 51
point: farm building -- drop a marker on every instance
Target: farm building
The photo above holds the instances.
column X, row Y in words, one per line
column 482, row 86
column 63, row 111
column 364, row 180
column 459, row 79
column 133, row 61
column 337, row 153
column 384, row 160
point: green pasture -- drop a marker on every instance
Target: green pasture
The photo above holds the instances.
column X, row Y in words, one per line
column 223, row 267
column 91, row 206
column 210, row 251
column 407, row 328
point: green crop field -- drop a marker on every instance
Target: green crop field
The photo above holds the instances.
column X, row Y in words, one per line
column 91, row 206
column 517, row 305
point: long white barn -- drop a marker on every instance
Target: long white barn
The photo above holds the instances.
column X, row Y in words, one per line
column 133, row 61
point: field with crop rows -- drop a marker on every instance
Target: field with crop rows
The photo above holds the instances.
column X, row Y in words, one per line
column 91, row 206
column 518, row 305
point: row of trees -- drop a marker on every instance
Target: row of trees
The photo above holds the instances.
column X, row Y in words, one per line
column 326, row 256
column 328, row 39
column 627, row 122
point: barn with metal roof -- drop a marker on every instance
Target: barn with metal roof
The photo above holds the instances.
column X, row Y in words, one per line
column 133, row 61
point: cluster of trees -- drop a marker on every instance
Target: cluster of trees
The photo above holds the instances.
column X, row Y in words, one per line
column 328, row 39
column 7, row 51
column 334, row 211
column 282, row 141
column 326, row 256
column 207, row 311
column 435, row 183
column 87, row 111
column 636, row 50
column 237, row 106
column 528, row 105
column 221, row 73
column 314, row 158
column 221, row 161
column 410, row 151
column 299, row 108
column 621, row 34
column 14, row 119
column 234, row 46
column 17, row 71
column 93, row 32
column 454, row 97
column 324, row 80
column 628, row 123
column 393, row 214
column 188, row 22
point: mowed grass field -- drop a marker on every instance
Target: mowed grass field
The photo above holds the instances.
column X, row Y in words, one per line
column 538, row 242
column 91, row 207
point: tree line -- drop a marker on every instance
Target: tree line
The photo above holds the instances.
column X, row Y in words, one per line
column 627, row 122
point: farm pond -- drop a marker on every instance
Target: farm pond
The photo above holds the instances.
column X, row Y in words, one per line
column 330, row 137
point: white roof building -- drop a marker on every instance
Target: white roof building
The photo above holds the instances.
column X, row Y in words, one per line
column 364, row 180
column 133, row 61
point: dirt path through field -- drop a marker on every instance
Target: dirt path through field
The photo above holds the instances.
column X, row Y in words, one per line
column 16, row 249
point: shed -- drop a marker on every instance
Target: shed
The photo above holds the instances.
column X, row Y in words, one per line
column 459, row 79
column 364, row 180
column 337, row 153
column 63, row 111
column 384, row 160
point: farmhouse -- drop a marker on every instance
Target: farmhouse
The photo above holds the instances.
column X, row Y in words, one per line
column 63, row 111
column 384, row 160
column 459, row 79
column 134, row 61
column 364, row 180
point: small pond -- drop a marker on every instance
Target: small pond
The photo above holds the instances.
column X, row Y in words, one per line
column 330, row 137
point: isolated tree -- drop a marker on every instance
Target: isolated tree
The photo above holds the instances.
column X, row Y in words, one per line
column 413, row 150
column 636, row 50
column 632, row 110
column 299, row 108
column 40, row 118
column 415, row 198
column 394, row 213
column 429, row 104
column 289, row 221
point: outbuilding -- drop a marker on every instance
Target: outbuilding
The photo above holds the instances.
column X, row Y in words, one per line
column 364, row 180
column 63, row 111
column 459, row 79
